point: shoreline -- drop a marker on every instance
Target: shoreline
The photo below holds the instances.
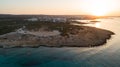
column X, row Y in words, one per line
column 87, row 37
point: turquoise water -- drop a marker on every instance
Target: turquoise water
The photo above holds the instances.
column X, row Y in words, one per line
column 107, row 55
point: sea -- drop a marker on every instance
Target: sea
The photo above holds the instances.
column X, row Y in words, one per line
column 107, row 55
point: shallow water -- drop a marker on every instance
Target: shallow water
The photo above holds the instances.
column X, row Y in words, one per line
column 107, row 55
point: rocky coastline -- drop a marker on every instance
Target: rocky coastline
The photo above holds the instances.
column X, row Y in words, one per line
column 85, row 37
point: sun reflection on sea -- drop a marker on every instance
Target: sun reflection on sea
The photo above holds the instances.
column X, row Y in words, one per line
column 97, row 25
column 93, row 23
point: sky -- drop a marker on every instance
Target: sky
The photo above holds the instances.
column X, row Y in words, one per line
column 60, row 7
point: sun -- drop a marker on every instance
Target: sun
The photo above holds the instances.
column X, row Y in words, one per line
column 99, row 7
column 99, row 11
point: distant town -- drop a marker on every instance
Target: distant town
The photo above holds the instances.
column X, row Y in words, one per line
column 46, row 18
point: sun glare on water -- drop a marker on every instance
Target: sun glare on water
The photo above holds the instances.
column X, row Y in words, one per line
column 97, row 25
column 99, row 7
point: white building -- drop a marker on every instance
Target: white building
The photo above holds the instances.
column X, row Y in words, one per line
column 59, row 19
column 53, row 19
column 22, row 30
column 32, row 19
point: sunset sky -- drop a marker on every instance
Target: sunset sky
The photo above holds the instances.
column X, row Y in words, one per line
column 60, row 7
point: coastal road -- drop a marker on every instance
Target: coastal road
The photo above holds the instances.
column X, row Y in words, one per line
column 107, row 55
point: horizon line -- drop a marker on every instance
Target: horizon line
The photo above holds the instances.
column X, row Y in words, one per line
column 50, row 14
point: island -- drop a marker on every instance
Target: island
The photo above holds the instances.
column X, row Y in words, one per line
column 49, row 34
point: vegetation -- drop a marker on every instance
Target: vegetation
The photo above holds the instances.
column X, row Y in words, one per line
column 64, row 28
column 9, row 23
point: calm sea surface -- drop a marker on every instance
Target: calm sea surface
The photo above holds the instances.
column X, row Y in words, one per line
column 107, row 55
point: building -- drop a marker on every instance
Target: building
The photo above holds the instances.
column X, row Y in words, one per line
column 32, row 19
column 53, row 19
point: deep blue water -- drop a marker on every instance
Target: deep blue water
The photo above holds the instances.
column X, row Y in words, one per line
column 107, row 55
